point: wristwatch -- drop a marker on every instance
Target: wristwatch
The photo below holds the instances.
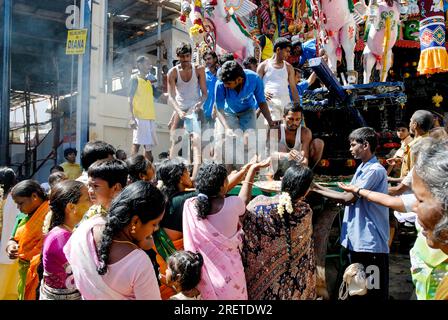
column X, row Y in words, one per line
column 357, row 192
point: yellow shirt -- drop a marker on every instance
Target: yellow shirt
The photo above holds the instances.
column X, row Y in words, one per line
column 268, row 50
column 408, row 159
column 72, row 170
column 143, row 100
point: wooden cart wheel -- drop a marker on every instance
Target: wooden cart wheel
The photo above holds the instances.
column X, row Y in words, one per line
column 322, row 225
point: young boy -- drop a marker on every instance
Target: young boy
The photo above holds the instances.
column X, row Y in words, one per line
column 121, row 155
column 405, row 137
column 302, row 85
column 365, row 227
column 106, row 179
column 93, row 151
column 71, row 169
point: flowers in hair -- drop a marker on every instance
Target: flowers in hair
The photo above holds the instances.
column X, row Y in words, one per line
column 284, row 203
column 159, row 184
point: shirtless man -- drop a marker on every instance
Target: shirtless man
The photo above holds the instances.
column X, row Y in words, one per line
column 278, row 78
column 295, row 142
column 184, row 83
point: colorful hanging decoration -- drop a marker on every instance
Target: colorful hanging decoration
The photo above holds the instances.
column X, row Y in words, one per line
column 411, row 30
column 209, row 6
column 263, row 13
column 197, row 31
column 433, row 55
column 413, row 9
column 185, row 10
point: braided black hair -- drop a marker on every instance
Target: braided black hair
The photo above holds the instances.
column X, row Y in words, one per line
column 209, row 180
column 297, row 181
column 186, row 268
column 140, row 199
column 62, row 194
column 170, row 172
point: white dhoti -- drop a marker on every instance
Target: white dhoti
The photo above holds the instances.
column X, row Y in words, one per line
column 276, row 106
column 145, row 134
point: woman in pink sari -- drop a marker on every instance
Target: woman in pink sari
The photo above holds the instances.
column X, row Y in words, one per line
column 107, row 255
column 211, row 226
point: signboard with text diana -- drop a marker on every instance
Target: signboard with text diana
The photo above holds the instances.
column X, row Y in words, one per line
column 76, row 41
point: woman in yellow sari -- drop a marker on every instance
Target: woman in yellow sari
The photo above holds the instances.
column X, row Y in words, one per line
column 27, row 240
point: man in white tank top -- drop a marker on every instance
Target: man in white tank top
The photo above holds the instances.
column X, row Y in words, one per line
column 184, row 83
column 278, row 76
column 295, row 144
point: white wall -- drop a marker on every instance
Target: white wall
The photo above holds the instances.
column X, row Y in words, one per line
column 109, row 114
column 109, row 121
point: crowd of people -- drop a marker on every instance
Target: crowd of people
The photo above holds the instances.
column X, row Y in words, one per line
column 118, row 227
column 216, row 107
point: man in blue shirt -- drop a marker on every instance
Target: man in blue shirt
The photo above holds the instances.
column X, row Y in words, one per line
column 302, row 85
column 365, row 227
column 238, row 94
column 211, row 76
column 305, row 51
column 208, row 125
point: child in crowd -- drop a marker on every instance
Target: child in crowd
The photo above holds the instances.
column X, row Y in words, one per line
column 121, row 155
column 53, row 169
column 72, row 169
column 174, row 181
column 140, row 168
column 93, row 151
column 301, row 84
column 107, row 178
column 55, row 178
column 69, row 201
column 184, row 273
column 405, row 136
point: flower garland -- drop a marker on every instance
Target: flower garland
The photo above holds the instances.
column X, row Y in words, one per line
column 284, row 203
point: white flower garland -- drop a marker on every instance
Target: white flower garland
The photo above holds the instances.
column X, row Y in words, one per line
column 284, row 203
column 159, row 184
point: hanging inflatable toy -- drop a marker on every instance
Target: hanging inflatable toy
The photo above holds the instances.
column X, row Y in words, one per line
column 224, row 30
column 382, row 35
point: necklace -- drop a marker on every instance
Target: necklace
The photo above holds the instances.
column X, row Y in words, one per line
column 123, row 241
column 67, row 227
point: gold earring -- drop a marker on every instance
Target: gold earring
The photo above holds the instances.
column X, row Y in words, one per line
column 133, row 229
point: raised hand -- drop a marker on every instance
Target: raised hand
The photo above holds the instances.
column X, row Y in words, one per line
column 347, row 187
